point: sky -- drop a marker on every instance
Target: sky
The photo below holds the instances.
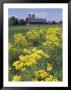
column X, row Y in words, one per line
column 48, row 14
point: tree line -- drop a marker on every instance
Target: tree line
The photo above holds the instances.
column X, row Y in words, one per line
column 15, row 21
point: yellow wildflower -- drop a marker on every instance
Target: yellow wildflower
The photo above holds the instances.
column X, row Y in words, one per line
column 41, row 74
column 34, row 49
column 17, row 78
column 49, row 67
column 26, row 51
column 33, row 35
column 20, row 39
column 16, row 63
column 34, row 79
column 51, row 78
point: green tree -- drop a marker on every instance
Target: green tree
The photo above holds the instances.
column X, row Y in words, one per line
column 21, row 22
column 13, row 21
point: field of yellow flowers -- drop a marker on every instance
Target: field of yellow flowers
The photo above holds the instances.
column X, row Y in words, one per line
column 35, row 53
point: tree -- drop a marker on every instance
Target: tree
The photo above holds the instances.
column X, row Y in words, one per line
column 60, row 22
column 13, row 21
column 54, row 22
column 21, row 22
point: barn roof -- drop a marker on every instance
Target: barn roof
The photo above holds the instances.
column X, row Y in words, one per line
column 37, row 20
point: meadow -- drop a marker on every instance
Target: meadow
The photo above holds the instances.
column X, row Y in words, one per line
column 35, row 53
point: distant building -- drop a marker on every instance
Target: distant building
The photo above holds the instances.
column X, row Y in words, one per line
column 29, row 16
column 32, row 20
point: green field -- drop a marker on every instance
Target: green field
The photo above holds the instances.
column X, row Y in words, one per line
column 53, row 48
column 23, row 29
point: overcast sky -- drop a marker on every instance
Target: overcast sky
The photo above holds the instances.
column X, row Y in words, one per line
column 48, row 14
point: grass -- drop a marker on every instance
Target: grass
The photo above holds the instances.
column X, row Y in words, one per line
column 24, row 28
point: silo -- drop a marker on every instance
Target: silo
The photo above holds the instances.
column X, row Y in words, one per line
column 33, row 16
column 29, row 16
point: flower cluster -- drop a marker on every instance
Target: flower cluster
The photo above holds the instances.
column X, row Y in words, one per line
column 11, row 48
column 20, row 39
column 51, row 78
column 42, row 75
column 28, row 60
column 53, row 37
column 33, row 35
column 17, row 78
column 35, row 54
